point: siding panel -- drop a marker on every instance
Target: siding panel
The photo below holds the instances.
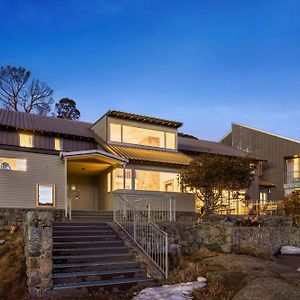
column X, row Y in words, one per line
column 18, row 189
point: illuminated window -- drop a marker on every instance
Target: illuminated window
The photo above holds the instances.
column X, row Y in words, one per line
column 156, row 181
column 115, row 132
column 57, row 144
column 142, row 136
column 46, row 195
column 293, row 170
column 26, row 140
column 118, row 181
column 13, row 164
column 109, row 182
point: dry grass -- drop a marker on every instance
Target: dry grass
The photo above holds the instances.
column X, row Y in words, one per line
column 12, row 267
column 189, row 268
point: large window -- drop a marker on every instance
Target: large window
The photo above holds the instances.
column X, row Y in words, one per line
column 146, row 180
column 142, row 136
column 118, row 179
column 46, row 195
column 26, row 140
column 293, row 170
column 13, row 164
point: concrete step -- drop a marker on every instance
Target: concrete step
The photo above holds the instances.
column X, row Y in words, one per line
column 85, row 251
column 102, row 283
column 92, row 257
column 90, row 238
column 95, row 266
column 92, row 212
column 97, row 275
column 87, row 232
column 80, row 227
column 79, row 224
column 86, row 244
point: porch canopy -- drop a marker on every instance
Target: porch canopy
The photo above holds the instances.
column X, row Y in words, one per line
column 91, row 161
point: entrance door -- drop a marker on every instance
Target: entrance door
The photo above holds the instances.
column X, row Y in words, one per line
column 83, row 192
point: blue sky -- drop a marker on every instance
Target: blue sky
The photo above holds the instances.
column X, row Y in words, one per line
column 205, row 63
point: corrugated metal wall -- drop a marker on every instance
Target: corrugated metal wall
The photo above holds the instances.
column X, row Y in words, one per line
column 267, row 146
column 45, row 142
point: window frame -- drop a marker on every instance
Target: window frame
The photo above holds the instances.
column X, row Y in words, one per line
column 38, row 197
column 26, row 134
column 12, row 170
column 60, row 143
column 165, row 132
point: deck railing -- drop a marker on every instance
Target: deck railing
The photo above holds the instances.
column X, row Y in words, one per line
column 146, row 234
column 157, row 207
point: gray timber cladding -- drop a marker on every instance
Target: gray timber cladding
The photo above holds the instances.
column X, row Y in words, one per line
column 18, row 189
column 268, row 146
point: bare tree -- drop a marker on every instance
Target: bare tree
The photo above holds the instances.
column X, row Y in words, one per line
column 19, row 93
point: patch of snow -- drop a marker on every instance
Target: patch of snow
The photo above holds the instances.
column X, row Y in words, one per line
column 201, row 279
column 179, row 291
column 290, row 250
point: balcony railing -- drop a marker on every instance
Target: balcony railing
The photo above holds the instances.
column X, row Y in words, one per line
column 292, row 177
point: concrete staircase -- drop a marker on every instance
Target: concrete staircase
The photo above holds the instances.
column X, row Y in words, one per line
column 91, row 255
column 100, row 216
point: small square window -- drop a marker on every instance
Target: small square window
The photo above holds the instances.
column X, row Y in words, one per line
column 46, row 195
column 26, row 140
column 57, row 144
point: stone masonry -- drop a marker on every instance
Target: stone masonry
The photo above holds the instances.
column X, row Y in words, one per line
column 38, row 251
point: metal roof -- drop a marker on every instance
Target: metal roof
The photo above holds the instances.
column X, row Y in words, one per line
column 142, row 118
column 201, row 146
column 40, row 123
column 149, row 155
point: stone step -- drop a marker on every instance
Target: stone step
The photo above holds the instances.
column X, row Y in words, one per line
column 95, row 266
column 92, row 257
column 90, row 238
column 102, row 283
column 86, row 244
column 95, row 250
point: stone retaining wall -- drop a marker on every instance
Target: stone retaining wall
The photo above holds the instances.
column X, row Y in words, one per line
column 227, row 238
column 17, row 216
column 38, row 251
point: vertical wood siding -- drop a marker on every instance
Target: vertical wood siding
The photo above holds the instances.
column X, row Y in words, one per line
column 18, row 189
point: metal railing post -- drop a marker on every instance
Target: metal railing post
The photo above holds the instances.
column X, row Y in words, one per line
column 166, row 257
column 134, row 226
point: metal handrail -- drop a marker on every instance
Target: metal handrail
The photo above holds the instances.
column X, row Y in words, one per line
column 146, row 234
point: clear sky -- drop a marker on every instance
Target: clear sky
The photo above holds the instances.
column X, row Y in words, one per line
column 204, row 62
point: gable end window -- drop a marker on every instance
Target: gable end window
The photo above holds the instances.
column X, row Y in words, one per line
column 26, row 140
column 45, row 194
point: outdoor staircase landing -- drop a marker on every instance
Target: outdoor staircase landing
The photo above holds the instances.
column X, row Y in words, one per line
column 100, row 216
column 91, row 255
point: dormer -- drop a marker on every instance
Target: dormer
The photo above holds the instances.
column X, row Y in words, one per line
column 119, row 128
